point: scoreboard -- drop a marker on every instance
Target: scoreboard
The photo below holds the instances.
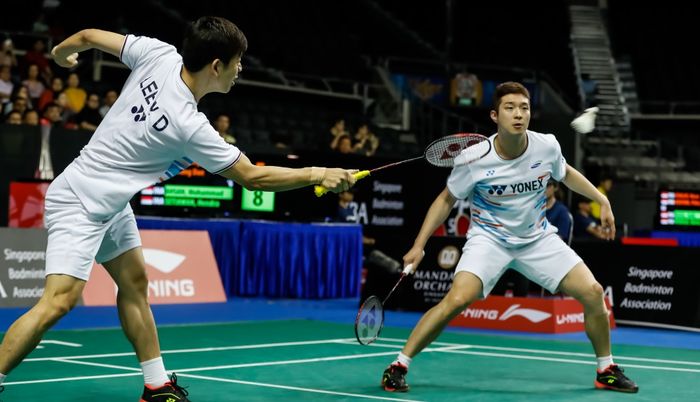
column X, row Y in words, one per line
column 196, row 192
column 678, row 209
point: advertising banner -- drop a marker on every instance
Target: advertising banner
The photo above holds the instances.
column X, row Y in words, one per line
column 181, row 269
column 526, row 314
column 649, row 286
column 21, row 266
column 27, row 204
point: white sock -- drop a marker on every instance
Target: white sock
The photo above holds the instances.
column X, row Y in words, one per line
column 403, row 359
column 604, row 362
column 2, row 378
column 154, row 374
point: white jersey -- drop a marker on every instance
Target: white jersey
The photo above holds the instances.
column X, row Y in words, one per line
column 507, row 199
column 151, row 133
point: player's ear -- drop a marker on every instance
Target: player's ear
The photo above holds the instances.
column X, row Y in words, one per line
column 494, row 116
column 216, row 66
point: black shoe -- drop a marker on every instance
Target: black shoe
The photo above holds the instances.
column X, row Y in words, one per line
column 613, row 378
column 394, row 378
column 170, row 392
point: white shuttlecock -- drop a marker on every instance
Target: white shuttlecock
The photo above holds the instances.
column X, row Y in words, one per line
column 585, row 123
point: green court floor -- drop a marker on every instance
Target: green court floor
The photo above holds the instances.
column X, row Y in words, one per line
column 318, row 361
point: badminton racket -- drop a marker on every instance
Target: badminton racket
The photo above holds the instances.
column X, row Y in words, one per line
column 370, row 318
column 451, row 150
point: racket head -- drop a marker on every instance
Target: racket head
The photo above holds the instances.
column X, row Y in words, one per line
column 369, row 321
column 457, row 149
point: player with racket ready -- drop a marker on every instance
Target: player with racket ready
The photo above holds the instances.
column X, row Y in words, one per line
column 153, row 131
column 506, row 189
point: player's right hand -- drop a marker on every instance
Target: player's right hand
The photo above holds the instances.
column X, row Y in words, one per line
column 67, row 61
column 338, row 180
column 413, row 257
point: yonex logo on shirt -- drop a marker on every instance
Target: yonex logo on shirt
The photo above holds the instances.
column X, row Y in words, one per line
column 138, row 112
column 497, row 189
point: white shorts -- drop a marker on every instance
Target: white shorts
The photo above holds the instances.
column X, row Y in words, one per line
column 545, row 261
column 76, row 240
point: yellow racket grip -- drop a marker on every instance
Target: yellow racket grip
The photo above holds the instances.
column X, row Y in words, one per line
column 320, row 190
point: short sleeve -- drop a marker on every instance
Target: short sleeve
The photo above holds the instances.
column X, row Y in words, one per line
column 460, row 183
column 559, row 162
column 209, row 150
column 139, row 50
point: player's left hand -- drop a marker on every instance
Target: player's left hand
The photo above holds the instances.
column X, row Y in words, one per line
column 607, row 220
column 67, row 61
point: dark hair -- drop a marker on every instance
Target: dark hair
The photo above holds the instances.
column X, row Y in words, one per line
column 507, row 88
column 211, row 38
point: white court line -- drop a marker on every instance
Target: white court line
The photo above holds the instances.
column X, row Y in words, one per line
column 553, row 359
column 450, row 348
column 285, row 362
column 195, row 369
column 319, row 391
column 552, row 352
column 196, row 350
column 62, row 343
column 97, row 364
column 66, row 379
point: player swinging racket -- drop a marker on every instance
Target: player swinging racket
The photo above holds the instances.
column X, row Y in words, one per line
column 506, row 189
column 153, row 131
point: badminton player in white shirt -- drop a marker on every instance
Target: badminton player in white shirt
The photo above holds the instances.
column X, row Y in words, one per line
column 506, row 190
column 153, row 131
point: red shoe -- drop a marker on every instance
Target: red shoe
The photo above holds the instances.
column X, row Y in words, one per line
column 394, row 378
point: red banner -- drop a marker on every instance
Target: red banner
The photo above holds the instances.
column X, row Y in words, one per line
column 27, row 204
column 181, row 269
column 526, row 314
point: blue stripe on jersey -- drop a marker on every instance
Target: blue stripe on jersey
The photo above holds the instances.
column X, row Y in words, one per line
column 541, row 202
column 481, row 202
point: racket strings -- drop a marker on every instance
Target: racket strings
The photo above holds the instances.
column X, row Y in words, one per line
column 369, row 320
column 459, row 148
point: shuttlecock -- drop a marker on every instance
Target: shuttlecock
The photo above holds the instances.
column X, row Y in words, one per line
column 585, row 123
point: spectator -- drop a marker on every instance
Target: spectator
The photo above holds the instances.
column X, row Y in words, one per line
column 557, row 213
column 584, row 225
column 20, row 100
column 604, row 186
column 337, row 131
column 367, row 143
column 65, row 112
column 52, row 116
column 339, row 128
column 76, row 95
column 31, row 118
column 344, row 144
column 107, row 102
column 50, row 94
column 37, row 55
column 89, row 118
column 223, row 127
column 33, row 83
column 6, row 85
column 14, row 118
column 7, row 54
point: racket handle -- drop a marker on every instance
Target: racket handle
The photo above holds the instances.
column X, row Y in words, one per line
column 320, row 190
column 408, row 269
